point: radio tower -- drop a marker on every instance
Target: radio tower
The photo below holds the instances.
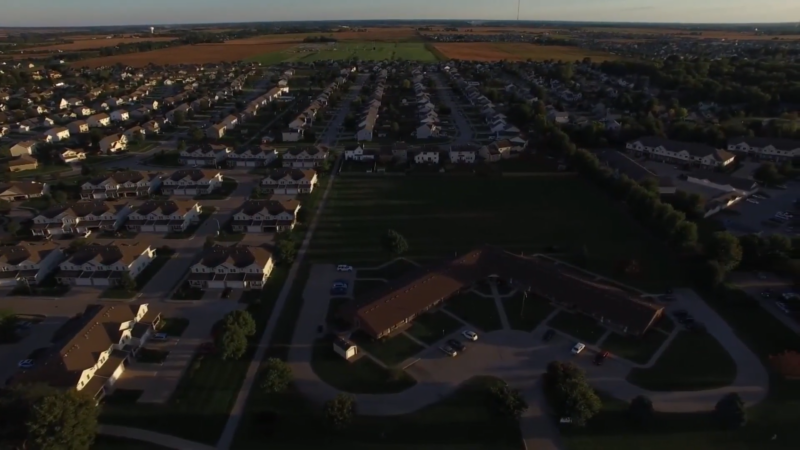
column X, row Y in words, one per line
column 518, row 2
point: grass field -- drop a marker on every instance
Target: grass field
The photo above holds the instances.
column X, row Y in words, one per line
column 367, row 51
column 496, row 51
column 443, row 216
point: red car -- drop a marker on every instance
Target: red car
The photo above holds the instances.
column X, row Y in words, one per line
column 600, row 357
column 206, row 348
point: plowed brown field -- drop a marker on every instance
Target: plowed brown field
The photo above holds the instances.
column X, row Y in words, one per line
column 496, row 51
column 189, row 54
column 87, row 44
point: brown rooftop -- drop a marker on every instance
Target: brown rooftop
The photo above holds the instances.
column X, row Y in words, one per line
column 109, row 254
column 81, row 209
column 237, row 256
column 294, row 174
column 122, row 177
column 167, row 207
column 26, row 251
column 193, row 174
column 273, row 207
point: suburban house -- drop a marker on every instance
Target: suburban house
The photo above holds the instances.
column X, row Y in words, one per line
column 691, row 153
column 427, row 131
column 78, row 126
column 72, row 155
column 56, row 134
column 305, row 157
column 766, row 148
column 235, row 267
column 396, row 304
column 21, row 163
column 463, row 154
column 28, row 262
column 256, row 216
column 426, row 155
column 129, row 183
column 133, row 132
column 358, row 153
column 82, row 111
column 98, row 120
column 164, row 216
column 252, row 156
column 113, row 143
column 23, row 148
column 292, row 135
column 206, row 155
column 94, row 358
column 290, row 181
column 191, row 182
column 80, row 218
column 104, row 265
column 215, row 131
column 23, row 190
column 119, row 115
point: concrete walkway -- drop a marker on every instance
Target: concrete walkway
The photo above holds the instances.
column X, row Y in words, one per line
column 498, row 303
column 151, row 437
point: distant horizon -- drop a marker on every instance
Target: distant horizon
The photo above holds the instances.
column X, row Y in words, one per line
column 96, row 13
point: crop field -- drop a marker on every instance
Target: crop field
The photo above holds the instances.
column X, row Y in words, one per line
column 495, row 51
column 190, row 54
column 555, row 32
column 98, row 42
column 367, row 51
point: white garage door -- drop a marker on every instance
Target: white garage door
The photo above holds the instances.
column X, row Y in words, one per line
column 83, row 281
column 101, row 282
column 236, row 284
column 216, row 285
column 253, row 228
column 291, row 190
column 280, row 190
column 162, row 228
column 146, row 228
column 191, row 192
column 180, row 192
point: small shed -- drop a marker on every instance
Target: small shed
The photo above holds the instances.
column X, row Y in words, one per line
column 344, row 347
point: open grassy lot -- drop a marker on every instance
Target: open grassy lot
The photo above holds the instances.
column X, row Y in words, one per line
column 513, row 51
column 579, row 326
column 692, row 362
column 461, row 421
column 391, row 351
column 361, row 287
column 441, row 216
column 433, row 326
column 526, row 314
column 634, row 348
column 394, row 269
column 476, row 310
column 366, row 51
column 363, row 376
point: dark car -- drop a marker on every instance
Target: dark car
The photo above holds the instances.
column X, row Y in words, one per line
column 680, row 313
column 456, row 345
column 226, row 292
column 548, row 335
column 600, row 357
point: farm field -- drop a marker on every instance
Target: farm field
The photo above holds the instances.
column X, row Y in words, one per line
column 555, row 32
column 495, row 51
column 368, row 51
column 89, row 43
column 189, row 54
column 442, row 216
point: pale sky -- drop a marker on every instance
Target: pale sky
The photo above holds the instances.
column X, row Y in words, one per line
column 153, row 12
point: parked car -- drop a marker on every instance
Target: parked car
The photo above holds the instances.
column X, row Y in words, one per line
column 600, row 357
column 226, row 293
column 160, row 337
column 25, row 364
column 340, row 283
column 447, row 350
column 548, row 335
column 471, row 335
column 339, row 291
column 578, row 348
column 750, row 200
column 344, row 268
column 456, row 344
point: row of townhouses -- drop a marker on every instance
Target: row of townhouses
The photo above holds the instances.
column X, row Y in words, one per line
column 211, row 155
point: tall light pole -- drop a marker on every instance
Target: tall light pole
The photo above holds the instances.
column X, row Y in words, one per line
column 518, row 3
column 522, row 311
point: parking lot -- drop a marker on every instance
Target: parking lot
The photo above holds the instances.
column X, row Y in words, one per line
column 752, row 216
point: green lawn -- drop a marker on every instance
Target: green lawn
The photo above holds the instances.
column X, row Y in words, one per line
column 225, row 190
column 476, row 310
column 635, row 348
column 43, row 171
column 207, row 211
column 441, row 216
column 526, row 314
column 692, row 362
column 363, row 376
column 579, row 326
column 187, row 292
column 394, row 269
column 115, row 443
column 162, row 257
column 173, row 326
column 361, row 287
column 391, row 351
column 430, row 327
column 365, row 51
column 461, row 421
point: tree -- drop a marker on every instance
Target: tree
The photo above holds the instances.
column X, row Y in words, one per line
column 287, row 250
column 395, row 243
column 338, row 413
column 730, row 411
column 196, row 134
column 77, row 244
column 570, row 394
column 277, row 376
column 768, row 174
column 181, row 145
column 685, row 234
column 12, row 227
column 240, row 320
column 65, row 420
column 725, row 248
column 8, row 325
column 179, row 117
column 209, row 243
column 127, row 282
column 232, row 343
column 60, row 196
column 507, row 403
column 641, row 411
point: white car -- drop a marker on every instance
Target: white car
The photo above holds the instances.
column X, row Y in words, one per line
column 449, row 351
column 471, row 335
column 25, row 364
column 344, row 268
column 750, row 200
column 578, row 348
column 160, row 337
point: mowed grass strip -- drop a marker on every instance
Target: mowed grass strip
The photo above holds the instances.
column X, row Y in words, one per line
column 392, row 350
column 476, row 310
column 441, row 217
column 638, row 349
column 433, row 326
column 692, row 362
column 526, row 314
column 580, row 326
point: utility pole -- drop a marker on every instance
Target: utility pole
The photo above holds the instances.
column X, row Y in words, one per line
column 522, row 311
column 518, row 3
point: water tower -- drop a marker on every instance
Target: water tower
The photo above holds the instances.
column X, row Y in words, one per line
column 152, row 30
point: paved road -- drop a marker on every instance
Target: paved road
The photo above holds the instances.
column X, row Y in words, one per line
column 38, row 337
column 162, row 440
column 331, row 134
column 446, row 95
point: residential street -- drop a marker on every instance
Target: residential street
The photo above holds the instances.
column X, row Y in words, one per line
column 446, row 95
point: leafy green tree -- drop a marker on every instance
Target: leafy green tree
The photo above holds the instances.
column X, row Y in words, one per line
column 209, row 243
column 339, row 412
column 8, row 325
column 127, row 282
column 570, row 394
column 181, row 146
column 287, row 250
column 730, row 411
column 12, row 227
column 179, row 117
column 232, row 343
column 395, row 243
column 277, row 376
column 65, row 420
column 641, row 411
column 507, row 403
column 196, row 134
column 240, row 320
column 768, row 174
column 725, row 248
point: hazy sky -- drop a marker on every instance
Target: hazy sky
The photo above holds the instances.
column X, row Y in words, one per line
column 147, row 12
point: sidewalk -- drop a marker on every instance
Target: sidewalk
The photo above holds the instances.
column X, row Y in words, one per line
column 163, row 440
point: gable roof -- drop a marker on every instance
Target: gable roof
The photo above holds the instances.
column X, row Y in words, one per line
column 780, row 144
column 122, row 177
column 238, row 256
column 108, row 254
column 22, row 188
column 26, row 251
column 167, row 207
column 84, row 208
column 693, row 148
column 192, row 174
column 273, row 207
column 294, row 174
